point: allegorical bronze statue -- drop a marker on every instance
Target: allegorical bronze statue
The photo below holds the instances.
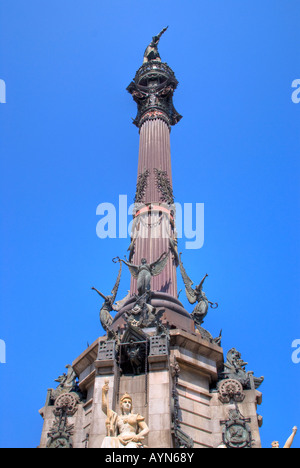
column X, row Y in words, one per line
column 108, row 305
column 235, row 368
column 67, row 384
column 67, row 381
column 151, row 52
column 144, row 272
column 196, row 295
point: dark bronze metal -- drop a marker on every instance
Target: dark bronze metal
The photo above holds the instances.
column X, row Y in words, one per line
column 144, row 272
column 235, row 368
column 151, row 52
column 108, row 305
column 196, row 295
column 152, row 89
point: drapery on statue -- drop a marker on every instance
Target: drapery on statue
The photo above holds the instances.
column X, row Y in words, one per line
column 144, row 272
column 196, row 295
column 105, row 316
column 151, row 52
column 289, row 442
column 127, row 430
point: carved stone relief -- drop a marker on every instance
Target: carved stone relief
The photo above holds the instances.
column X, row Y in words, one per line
column 231, row 391
column 236, row 431
column 181, row 439
column 60, row 435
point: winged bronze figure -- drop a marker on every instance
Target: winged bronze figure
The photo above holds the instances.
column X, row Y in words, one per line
column 145, row 271
column 108, row 305
column 196, row 295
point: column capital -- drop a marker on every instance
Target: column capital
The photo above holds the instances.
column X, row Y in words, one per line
column 152, row 89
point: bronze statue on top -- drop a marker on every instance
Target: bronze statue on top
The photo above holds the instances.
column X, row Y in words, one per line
column 151, row 52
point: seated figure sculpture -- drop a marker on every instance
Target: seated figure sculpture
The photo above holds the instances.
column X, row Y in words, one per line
column 127, row 430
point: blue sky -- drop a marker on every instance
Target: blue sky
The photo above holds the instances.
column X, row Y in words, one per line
column 68, row 144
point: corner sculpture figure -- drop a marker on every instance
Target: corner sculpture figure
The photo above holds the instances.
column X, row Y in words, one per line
column 67, row 382
column 67, row 385
column 144, row 272
column 196, row 295
column 235, row 368
column 289, row 442
column 127, row 430
column 151, row 52
column 108, row 306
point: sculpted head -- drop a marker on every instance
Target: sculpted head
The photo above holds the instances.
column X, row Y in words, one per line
column 275, row 444
column 109, row 300
column 126, row 403
column 144, row 261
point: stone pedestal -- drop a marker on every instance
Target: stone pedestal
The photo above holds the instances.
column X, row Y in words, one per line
column 180, row 396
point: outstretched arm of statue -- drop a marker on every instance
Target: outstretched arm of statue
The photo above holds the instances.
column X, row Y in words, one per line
column 290, row 440
column 100, row 293
column 161, row 33
column 127, row 263
column 134, row 269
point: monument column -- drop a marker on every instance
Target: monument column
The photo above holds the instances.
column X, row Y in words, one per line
column 157, row 378
column 154, row 231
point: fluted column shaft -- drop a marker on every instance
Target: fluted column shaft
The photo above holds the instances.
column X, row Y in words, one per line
column 153, row 226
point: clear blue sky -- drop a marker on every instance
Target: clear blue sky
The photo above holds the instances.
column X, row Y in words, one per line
column 67, row 144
